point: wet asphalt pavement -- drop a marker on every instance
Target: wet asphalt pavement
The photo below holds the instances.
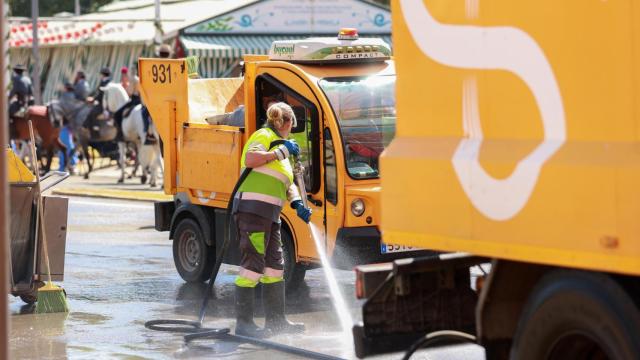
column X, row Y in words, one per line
column 119, row 273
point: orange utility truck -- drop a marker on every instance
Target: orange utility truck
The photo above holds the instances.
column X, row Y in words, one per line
column 342, row 91
column 518, row 147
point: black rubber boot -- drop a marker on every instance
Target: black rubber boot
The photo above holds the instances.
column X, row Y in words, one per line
column 275, row 322
column 244, row 313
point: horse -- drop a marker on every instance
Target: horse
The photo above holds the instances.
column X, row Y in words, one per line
column 132, row 129
column 75, row 112
column 86, row 125
column 45, row 127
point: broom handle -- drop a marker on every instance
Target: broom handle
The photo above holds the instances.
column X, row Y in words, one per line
column 40, row 203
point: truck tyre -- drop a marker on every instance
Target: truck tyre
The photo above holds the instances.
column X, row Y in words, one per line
column 577, row 315
column 191, row 254
column 293, row 272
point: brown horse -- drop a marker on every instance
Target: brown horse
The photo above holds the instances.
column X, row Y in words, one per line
column 44, row 129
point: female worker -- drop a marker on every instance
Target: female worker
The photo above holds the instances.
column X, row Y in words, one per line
column 256, row 209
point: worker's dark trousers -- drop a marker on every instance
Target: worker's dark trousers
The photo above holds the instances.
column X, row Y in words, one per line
column 260, row 249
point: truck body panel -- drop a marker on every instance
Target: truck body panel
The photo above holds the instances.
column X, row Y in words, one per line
column 518, row 132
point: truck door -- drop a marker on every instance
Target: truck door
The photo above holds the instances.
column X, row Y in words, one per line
column 276, row 84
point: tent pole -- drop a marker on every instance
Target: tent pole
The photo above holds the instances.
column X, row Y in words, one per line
column 36, row 54
column 158, row 25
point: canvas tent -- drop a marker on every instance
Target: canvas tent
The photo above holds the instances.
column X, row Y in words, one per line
column 113, row 37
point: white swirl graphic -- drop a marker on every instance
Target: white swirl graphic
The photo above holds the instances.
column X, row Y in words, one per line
column 492, row 48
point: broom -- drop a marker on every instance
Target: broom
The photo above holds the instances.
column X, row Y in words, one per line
column 51, row 298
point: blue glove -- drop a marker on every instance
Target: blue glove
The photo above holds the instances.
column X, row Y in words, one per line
column 303, row 212
column 292, row 147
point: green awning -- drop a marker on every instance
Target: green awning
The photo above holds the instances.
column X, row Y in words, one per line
column 220, row 53
column 230, row 46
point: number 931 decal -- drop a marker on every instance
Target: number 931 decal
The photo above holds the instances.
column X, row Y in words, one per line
column 161, row 73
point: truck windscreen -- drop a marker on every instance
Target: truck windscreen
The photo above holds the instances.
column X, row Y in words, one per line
column 365, row 108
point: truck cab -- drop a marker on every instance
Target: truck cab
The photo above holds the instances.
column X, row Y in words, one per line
column 342, row 92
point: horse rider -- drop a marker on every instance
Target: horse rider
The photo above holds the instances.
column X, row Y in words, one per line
column 105, row 79
column 132, row 86
column 21, row 94
column 69, row 93
column 98, row 94
column 80, row 86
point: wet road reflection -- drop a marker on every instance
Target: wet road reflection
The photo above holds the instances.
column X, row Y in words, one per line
column 119, row 273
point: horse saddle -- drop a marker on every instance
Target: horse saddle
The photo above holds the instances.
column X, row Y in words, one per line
column 38, row 111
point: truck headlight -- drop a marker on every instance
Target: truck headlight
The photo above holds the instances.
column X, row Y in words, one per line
column 357, row 207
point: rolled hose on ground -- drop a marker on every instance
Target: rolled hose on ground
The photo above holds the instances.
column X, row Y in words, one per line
column 195, row 329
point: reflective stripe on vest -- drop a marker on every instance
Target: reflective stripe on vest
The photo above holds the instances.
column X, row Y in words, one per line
column 262, row 197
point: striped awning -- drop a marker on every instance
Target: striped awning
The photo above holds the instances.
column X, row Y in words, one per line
column 219, row 54
column 230, row 46
column 235, row 46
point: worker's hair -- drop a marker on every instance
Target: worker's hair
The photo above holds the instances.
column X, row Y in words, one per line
column 279, row 113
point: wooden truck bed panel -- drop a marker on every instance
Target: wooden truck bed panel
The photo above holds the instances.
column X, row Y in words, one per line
column 210, row 159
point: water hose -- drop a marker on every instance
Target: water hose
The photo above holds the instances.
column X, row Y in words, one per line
column 222, row 335
column 436, row 337
column 190, row 326
column 195, row 329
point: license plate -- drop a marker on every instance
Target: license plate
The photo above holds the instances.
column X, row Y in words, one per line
column 391, row 248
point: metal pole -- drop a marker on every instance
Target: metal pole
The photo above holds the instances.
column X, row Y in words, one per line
column 77, row 8
column 4, row 190
column 36, row 54
column 157, row 40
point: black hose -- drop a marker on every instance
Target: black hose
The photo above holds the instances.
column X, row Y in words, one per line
column 438, row 337
column 189, row 326
column 224, row 335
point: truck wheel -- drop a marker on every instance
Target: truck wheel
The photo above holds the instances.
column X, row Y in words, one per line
column 578, row 315
column 191, row 253
column 293, row 272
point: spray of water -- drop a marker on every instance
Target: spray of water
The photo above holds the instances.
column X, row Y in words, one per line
column 338, row 299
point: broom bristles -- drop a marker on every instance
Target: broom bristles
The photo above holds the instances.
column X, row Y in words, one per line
column 51, row 299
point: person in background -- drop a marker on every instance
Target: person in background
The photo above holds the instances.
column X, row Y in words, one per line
column 21, row 94
column 133, row 89
column 69, row 158
column 124, row 79
column 68, row 94
column 256, row 211
column 105, row 79
column 164, row 51
column 80, row 86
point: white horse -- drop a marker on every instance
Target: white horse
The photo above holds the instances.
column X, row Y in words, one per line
column 148, row 156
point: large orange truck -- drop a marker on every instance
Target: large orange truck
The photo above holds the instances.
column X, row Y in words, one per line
column 517, row 149
column 342, row 91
